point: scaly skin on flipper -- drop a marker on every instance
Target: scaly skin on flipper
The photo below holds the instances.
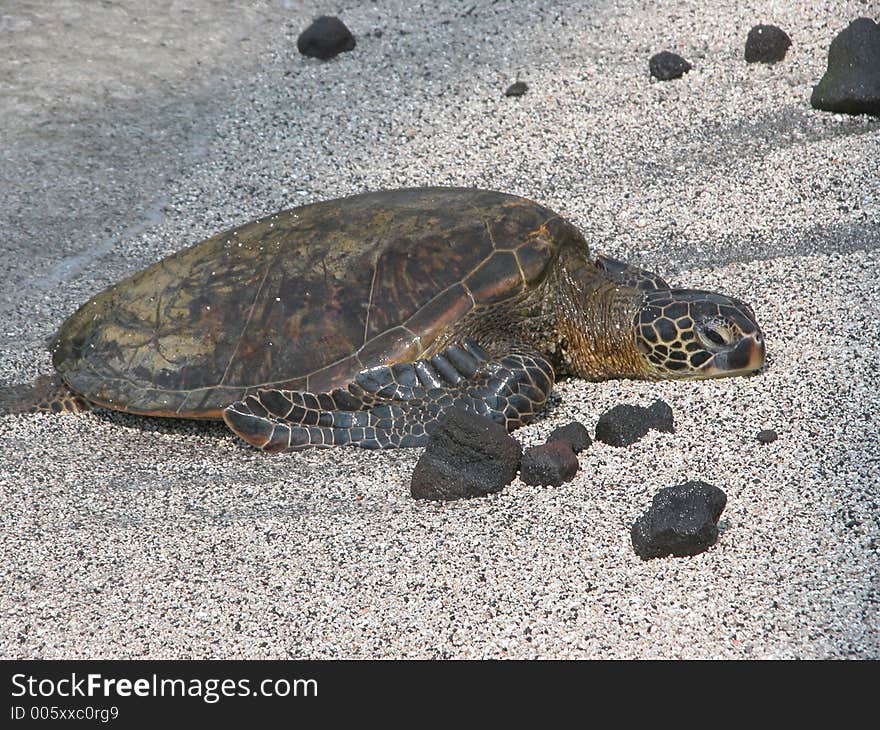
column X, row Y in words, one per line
column 397, row 406
column 47, row 394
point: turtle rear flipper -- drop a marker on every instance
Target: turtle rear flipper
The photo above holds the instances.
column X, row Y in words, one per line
column 47, row 394
column 399, row 405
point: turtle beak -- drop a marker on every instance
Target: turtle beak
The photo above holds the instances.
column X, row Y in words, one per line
column 747, row 357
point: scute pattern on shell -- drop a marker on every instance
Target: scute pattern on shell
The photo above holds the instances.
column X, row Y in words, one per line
column 304, row 299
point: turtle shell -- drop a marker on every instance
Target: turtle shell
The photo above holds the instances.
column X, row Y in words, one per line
column 305, row 298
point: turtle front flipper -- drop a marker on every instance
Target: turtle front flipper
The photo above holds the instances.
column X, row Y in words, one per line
column 47, row 394
column 399, row 405
column 629, row 275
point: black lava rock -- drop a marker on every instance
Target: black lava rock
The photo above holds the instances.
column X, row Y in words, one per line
column 517, row 89
column 467, row 456
column 666, row 66
column 767, row 436
column 852, row 82
column 624, row 425
column 325, row 38
column 682, row 520
column 766, row 44
column 660, row 416
column 574, row 434
column 549, row 464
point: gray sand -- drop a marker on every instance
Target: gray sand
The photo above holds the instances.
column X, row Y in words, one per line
column 131, row 133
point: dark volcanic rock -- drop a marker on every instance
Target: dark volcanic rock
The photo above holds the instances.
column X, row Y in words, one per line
column 852, row 82
column 624, row 425
column 574, row 434
column 325, row 38
column 517, row 89
column 766, row 44
column 660, row 416
column 682, row 520
column 767, row 436
column 467, row 456
column 549, row 464
column 666, row 66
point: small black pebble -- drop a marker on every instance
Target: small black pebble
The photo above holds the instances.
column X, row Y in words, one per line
column 325, row 38
column 766, row 44
column 681, row 521
column 517, row 89
column 625, row 424
column 574, row 434
column 767, row 436
column 550, row 464
column 666, row 66
column 660, row 416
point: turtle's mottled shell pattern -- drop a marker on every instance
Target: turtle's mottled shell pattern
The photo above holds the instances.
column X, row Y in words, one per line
column 304, row 299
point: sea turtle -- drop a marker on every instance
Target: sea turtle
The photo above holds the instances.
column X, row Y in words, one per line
column 360, row 320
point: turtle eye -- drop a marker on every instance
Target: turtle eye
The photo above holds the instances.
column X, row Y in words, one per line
column 715, row 335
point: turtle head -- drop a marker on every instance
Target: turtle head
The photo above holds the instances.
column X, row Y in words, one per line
column 684, row 333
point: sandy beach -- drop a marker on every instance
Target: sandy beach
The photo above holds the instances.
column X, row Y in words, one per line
column 152, row 126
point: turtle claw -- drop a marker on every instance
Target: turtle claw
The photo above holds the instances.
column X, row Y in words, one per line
column 399, row 405
column 250, row 426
